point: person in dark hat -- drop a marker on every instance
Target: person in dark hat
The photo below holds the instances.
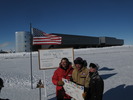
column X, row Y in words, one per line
column 1, row 84
column 80, row 73
column 96, row 84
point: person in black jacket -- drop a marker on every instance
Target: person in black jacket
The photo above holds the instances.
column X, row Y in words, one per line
column 1, row 86
column 96, row 85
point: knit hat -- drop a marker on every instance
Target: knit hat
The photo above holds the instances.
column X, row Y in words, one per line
column 78, row 60
column 94, row 65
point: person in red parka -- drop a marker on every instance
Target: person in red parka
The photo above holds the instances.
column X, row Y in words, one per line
column 63, row 71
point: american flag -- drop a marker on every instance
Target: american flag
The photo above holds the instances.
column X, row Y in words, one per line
column 42, row 38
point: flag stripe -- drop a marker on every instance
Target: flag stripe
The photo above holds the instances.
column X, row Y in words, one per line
column 46, row 43
column 46, row 38
column 42, row 38
column 37, row 42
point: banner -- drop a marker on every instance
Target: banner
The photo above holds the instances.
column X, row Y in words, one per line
column 50, row 58
column 73, row 89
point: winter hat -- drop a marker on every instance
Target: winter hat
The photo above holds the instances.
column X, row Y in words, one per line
column 94, row 65
column 79, row 60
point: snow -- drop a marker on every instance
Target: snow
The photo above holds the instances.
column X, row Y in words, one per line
column 116, row 68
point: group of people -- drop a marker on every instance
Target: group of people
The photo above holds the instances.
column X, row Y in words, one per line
column 81, row 75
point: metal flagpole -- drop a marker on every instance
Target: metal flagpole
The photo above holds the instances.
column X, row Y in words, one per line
column 31, row 55
column 45, row 84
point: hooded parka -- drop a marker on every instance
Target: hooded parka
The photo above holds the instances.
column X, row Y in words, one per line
column 80, row 77
column 58, row 75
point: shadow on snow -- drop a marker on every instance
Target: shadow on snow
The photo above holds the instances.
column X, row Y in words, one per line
column 106, row 69
column 107, row 76
column 120, row 92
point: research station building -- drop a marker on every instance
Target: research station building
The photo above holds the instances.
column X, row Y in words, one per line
column 75, row 41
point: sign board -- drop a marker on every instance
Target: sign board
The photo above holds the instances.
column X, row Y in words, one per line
column 73, row 89
column 50, row 58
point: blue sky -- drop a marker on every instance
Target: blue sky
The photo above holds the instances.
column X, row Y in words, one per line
column 113, row 18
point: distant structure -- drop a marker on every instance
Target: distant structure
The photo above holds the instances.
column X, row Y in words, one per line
column 110, row 41
column 22, row 41
column 78, row 41
column 1, row 51
column 74, row 41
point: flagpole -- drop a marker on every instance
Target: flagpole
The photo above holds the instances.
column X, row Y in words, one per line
column 31, row 55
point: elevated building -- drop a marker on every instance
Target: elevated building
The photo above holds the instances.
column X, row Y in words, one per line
column 75, row 41
column 78, row 41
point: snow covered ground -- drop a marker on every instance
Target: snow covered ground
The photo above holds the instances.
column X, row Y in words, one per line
column 116, row 68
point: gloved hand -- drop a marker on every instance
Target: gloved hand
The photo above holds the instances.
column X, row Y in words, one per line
column 84, row 94
column 60, row 83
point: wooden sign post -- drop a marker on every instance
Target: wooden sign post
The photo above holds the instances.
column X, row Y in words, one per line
column 40, row 85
